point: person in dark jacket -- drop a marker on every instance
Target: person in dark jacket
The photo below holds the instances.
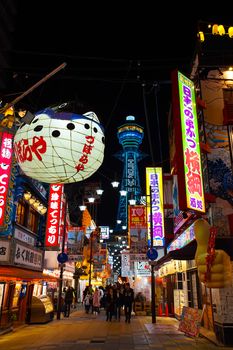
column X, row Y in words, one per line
column 69, row 295
column 128, row 299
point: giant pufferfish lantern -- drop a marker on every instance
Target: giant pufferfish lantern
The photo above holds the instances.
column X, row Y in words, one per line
column 60, row 147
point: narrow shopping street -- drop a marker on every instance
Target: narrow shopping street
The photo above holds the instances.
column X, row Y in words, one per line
column 86, row 331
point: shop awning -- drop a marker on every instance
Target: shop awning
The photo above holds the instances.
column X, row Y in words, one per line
column 15, row 273
column 188, row 252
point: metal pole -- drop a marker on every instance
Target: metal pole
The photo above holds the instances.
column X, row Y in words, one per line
column 33, row 87
column 90, row 258
column 59, row 300
column 153, row 313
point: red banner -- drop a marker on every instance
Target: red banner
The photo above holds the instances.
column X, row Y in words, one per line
column 6, row 154
column 54, row 215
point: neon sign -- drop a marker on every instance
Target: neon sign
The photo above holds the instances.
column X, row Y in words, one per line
column 154, row 191
column 191, row 147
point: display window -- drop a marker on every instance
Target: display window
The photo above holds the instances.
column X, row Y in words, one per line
column 16, row 295
column 2, row 287
column 37, row 290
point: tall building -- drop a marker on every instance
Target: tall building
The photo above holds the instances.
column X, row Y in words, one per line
column 130, row 136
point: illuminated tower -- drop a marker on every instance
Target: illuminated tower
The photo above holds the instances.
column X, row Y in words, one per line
column 130, row 136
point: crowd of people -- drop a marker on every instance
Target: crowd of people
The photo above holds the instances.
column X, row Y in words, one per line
column 113, row 299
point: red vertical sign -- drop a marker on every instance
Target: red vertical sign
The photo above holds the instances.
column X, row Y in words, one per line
column 6, row 153
column 54, row 215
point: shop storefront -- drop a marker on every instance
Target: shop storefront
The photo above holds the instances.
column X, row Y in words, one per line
column 17, row 287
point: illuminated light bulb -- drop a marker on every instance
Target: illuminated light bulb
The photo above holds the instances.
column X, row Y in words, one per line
column 201, row 36
column 82, row 207
column 123, row 193
column 32, row 200
column 43, row 211
column 27, row 195
column 230, row 32
column 115, row 184
column 221, row 30
column 99, row 191
column 36, row 204
column 40, row 207
column 215, row 29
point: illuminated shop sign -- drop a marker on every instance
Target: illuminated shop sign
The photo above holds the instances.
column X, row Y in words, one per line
column 182, row 240
column 53, row 216
column 191, row 147
column 6, row 153
column 154, row 193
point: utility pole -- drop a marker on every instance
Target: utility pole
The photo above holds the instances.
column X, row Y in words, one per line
column 64, row 257
column 91, row 253
column 153, row 313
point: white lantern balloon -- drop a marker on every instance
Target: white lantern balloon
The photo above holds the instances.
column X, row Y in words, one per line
column 60, row 147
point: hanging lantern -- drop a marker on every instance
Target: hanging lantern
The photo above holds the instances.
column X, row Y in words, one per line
column 215, row 29
column 221, row 30
column 230, row 32
column 60, row 147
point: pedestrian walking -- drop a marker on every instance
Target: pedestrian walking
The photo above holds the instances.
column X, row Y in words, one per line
column 110, row 304
column 118, row 297
column 69, row 295
column 87, row 302
column 128, row 299
column 96, row 301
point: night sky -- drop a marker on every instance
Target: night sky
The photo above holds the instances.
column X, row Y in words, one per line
column 119, row 60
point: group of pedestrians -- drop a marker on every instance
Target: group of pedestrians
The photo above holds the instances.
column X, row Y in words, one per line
column 92, row 299
column 113, row 299
column 119, row 297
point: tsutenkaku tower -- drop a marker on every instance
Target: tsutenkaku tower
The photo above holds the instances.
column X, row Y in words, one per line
column 130, row 136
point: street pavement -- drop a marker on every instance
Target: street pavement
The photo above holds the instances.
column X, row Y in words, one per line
column 92, row 332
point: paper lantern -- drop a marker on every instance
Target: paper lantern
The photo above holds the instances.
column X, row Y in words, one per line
column 60, row 147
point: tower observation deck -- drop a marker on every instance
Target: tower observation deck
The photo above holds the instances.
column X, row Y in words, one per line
column 130, row 136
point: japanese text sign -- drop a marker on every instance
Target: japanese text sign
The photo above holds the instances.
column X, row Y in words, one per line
column 53, row 216
column 6, row 153
column 191, row 147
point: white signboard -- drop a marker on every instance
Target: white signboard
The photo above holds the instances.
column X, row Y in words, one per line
column 142, row 268
column 125, row 265
column 24, row 237
column 28, row 257
column 138, row 257
column 4, row 250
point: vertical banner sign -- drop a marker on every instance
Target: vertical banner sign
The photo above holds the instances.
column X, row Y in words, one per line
column 125, row 264
column 189, row 167
column 6, row 153
column 138, row 229
column 154, row 193
column 53, row 216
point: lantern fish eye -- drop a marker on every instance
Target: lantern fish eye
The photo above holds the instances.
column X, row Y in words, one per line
column 95, row 130
column 38, row 128
column 86, row 126
column 70, row 126
column 56, row 133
